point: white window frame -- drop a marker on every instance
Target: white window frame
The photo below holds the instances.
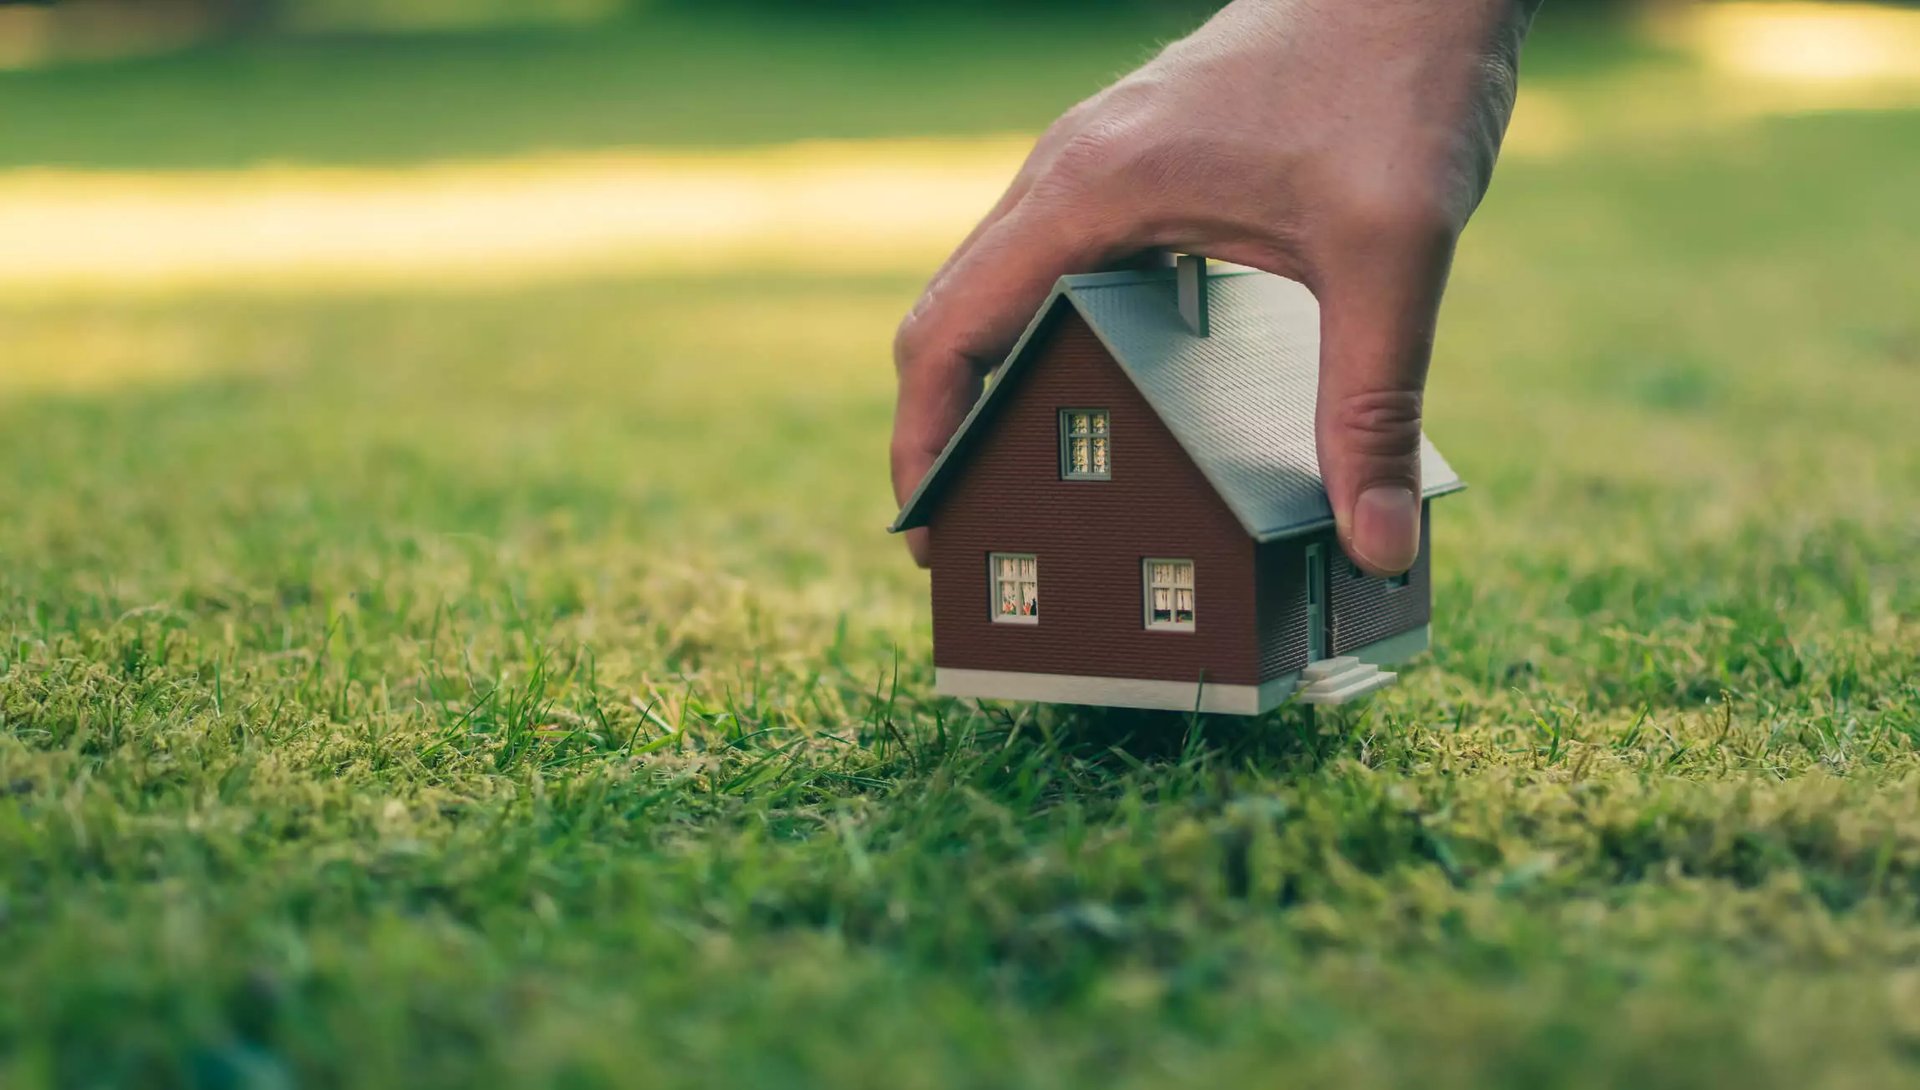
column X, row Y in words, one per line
column 1148, row 585
column 1393, row 582
column 995, row 582
column 1068, row 434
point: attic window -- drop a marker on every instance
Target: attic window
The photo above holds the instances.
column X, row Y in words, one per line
column 1086, row 452
column 1015, row 579
column 1169, row 594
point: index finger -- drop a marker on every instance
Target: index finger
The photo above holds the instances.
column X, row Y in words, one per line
column 963, row 327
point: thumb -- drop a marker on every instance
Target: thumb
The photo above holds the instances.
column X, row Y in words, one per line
column 1376, row 339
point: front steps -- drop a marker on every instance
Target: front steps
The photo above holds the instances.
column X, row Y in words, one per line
column 1338, row 680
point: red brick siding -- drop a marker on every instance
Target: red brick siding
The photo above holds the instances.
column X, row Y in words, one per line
column 1282, row 596
column 1367, row 610
column 1006, row 495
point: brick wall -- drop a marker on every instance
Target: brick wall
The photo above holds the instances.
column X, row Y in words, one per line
column 1282, row 595
column 1364, row 610
column 1006, row 495
column 1367, row 610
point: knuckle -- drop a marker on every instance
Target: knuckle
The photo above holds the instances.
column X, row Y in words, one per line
column 909, row 338
column 1500, row 77
column 1094, row 151
column 1069, row 124
column 1380, row 424
column 1173, row 157
column 1126, row 153
column 1127, row 168
column 902, row 450
column 1109, row 138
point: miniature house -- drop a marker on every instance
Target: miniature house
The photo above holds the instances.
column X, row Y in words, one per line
column 1132, row 514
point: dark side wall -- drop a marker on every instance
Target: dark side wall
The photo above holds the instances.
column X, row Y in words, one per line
column 1367, row 610
column 1281, row 588
column 1089, row 536
column 1362, row 609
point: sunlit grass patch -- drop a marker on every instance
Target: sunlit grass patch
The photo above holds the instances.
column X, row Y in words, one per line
column 890, row 205
column 832, row 207
column 1806, row 43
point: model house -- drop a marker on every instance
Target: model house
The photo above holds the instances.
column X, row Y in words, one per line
column 1132, row 514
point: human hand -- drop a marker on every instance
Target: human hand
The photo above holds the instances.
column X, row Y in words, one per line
column 1341, row 143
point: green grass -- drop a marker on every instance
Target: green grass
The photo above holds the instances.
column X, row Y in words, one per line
column 655, row 82
column 517, row 690
column 660, row 81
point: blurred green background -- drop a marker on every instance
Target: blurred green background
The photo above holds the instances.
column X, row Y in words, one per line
column 446, row 636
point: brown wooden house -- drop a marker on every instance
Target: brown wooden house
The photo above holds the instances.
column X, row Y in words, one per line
column 1132, row 514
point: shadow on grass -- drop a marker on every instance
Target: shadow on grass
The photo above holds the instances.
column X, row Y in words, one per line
column 1282, row 738
column 1034, row 756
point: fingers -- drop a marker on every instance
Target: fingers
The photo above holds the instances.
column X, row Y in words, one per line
column 964, row 325
column 1036, row 163
column 1377, row 314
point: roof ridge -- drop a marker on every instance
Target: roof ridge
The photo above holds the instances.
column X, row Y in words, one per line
column 1239, row 403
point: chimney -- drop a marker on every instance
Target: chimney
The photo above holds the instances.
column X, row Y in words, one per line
column 1190, row 273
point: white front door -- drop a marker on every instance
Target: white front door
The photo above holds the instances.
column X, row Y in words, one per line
column 1316, row 603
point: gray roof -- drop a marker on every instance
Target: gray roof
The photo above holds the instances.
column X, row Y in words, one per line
column 1240, row 401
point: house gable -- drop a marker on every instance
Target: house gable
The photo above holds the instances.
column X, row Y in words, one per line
column 1003, row 492
column 1239, row 401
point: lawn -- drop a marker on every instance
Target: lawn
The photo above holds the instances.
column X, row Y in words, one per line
column 516, row 688
column 662, row 81
column 672, row 81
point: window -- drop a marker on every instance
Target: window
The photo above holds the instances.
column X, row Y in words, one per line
column 1169, row 594
column 1394, row 582
column 1085, row 446
column 1015, row 581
